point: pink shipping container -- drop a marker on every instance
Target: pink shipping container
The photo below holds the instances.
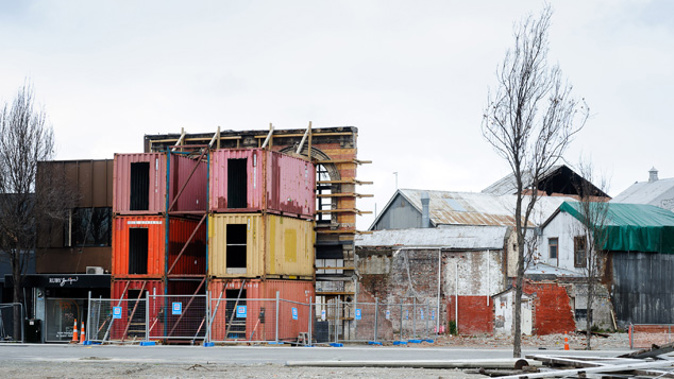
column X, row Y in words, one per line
column 139, row 183
column 251, row 180
column 259, row 297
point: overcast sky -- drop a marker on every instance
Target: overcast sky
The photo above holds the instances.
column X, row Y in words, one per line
column 412, row 76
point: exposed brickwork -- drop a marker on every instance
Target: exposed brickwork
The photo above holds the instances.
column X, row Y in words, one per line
column 476, row 316
column 552, row 308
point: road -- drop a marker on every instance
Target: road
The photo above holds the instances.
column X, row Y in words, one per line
column 258, row 354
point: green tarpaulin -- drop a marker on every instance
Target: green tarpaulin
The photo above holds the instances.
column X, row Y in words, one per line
column 633, row 227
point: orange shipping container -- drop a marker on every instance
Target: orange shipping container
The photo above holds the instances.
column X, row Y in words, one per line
column 256, row 245
column 139, row 247
column 259, row 299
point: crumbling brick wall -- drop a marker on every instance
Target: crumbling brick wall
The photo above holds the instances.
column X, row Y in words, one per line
column 552, row 308
column 476, row 314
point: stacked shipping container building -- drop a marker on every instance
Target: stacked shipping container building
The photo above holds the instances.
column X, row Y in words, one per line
column 261, row 241
column 236, row 222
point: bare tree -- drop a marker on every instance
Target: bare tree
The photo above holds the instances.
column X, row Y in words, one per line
column 25, row 139
column 530, row 120
column 590, row 240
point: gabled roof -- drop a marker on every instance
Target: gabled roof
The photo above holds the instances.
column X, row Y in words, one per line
column 475, row 208
column 559, row 179
column 632, row 227
column 647, row 193
column 454, row 237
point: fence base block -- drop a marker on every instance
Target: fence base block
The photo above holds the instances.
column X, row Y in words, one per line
column 147, row 343
column 334, row 344
column 275, row 343
column 415, row 341
column 374, row 343
column 399, row 343
column 429, row 341
column 209, row 344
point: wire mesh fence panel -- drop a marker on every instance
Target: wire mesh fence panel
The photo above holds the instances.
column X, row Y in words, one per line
column 242, row 320
column 117, row 320
column 294, row 318
column 647, row 335
column 11, row 317
column 177, row 317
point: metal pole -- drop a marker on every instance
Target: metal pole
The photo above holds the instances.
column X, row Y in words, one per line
column 147, row 316
column 337, row 320
column 89, row 312
column 207, row 337
column 401, row 319
column 456, row 290
column 310, row 317
column 414, row 317
column 437, row 322
column 426, row 317
column 278, row 296
column 376, row 312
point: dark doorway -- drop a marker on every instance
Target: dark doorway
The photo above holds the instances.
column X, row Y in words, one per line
column 236, row 246
column 136, row 314
column 237, row 177
column 138, row 249
column 237, row 326
column 140, row 186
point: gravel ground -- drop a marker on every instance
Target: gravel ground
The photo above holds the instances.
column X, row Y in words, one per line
column 111, row 370
column 106, row 368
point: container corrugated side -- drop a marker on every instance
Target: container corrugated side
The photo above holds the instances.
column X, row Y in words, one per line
column 193, row 260
column 219, row 184
column 290, row 185
column 156, row 250
column 261, row 307
column 182, row 173
column 120, row 290
column 276, row 245
column 121, row 197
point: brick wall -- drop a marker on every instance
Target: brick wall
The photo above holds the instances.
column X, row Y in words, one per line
column 476, row 316
column 552, row 308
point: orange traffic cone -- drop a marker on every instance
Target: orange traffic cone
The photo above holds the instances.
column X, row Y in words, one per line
column 566, row 341
column 83, row 335
column 76, row 338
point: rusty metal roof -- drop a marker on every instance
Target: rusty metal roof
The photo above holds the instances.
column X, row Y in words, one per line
column 477, row 208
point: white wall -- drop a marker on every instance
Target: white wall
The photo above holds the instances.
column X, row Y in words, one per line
column 479, row 273
column 565, row 228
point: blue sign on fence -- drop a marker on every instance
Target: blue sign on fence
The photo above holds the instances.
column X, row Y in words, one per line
column 241, row 311
column 323, row 315
column 358, row 314
column 116, row 312
column 388, row 314
column 295, row 314
column 432, row 315
column 177, row 308
column 407, row 314
column 422, row 313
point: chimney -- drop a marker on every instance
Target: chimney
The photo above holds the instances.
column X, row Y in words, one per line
column 425, row 211
column 652, row 175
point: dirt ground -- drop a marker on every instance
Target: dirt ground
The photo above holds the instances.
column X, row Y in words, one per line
column 105, row 368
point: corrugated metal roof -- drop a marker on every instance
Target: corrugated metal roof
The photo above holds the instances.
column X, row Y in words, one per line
column 476, row 208
column 452, row 237
column 508, row 186
column 646, row 193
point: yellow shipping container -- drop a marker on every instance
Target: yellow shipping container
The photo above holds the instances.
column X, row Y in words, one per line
column 254, row 245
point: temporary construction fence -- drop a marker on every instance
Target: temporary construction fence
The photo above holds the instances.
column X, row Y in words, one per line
column 214, row 319
column 646, row 335
column 8, row 314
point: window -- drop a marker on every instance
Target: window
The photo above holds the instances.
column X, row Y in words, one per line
column 237, row 177
column 138, row 249
column 553, row 246
column 323, row 195
column 140, row 186
column 579, row 251
column 89, row 227
column 236, row 248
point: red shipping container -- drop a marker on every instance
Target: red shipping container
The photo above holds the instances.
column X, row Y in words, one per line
column 139, row 183
column 139, row 247
column 131, row 324
column 251, row 180
column 259, row 298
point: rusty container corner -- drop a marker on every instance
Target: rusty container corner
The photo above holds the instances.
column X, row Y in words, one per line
column 272, row 182
column 274, row 246
column 260, row 300
column 139, row 184
column 146, row 236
